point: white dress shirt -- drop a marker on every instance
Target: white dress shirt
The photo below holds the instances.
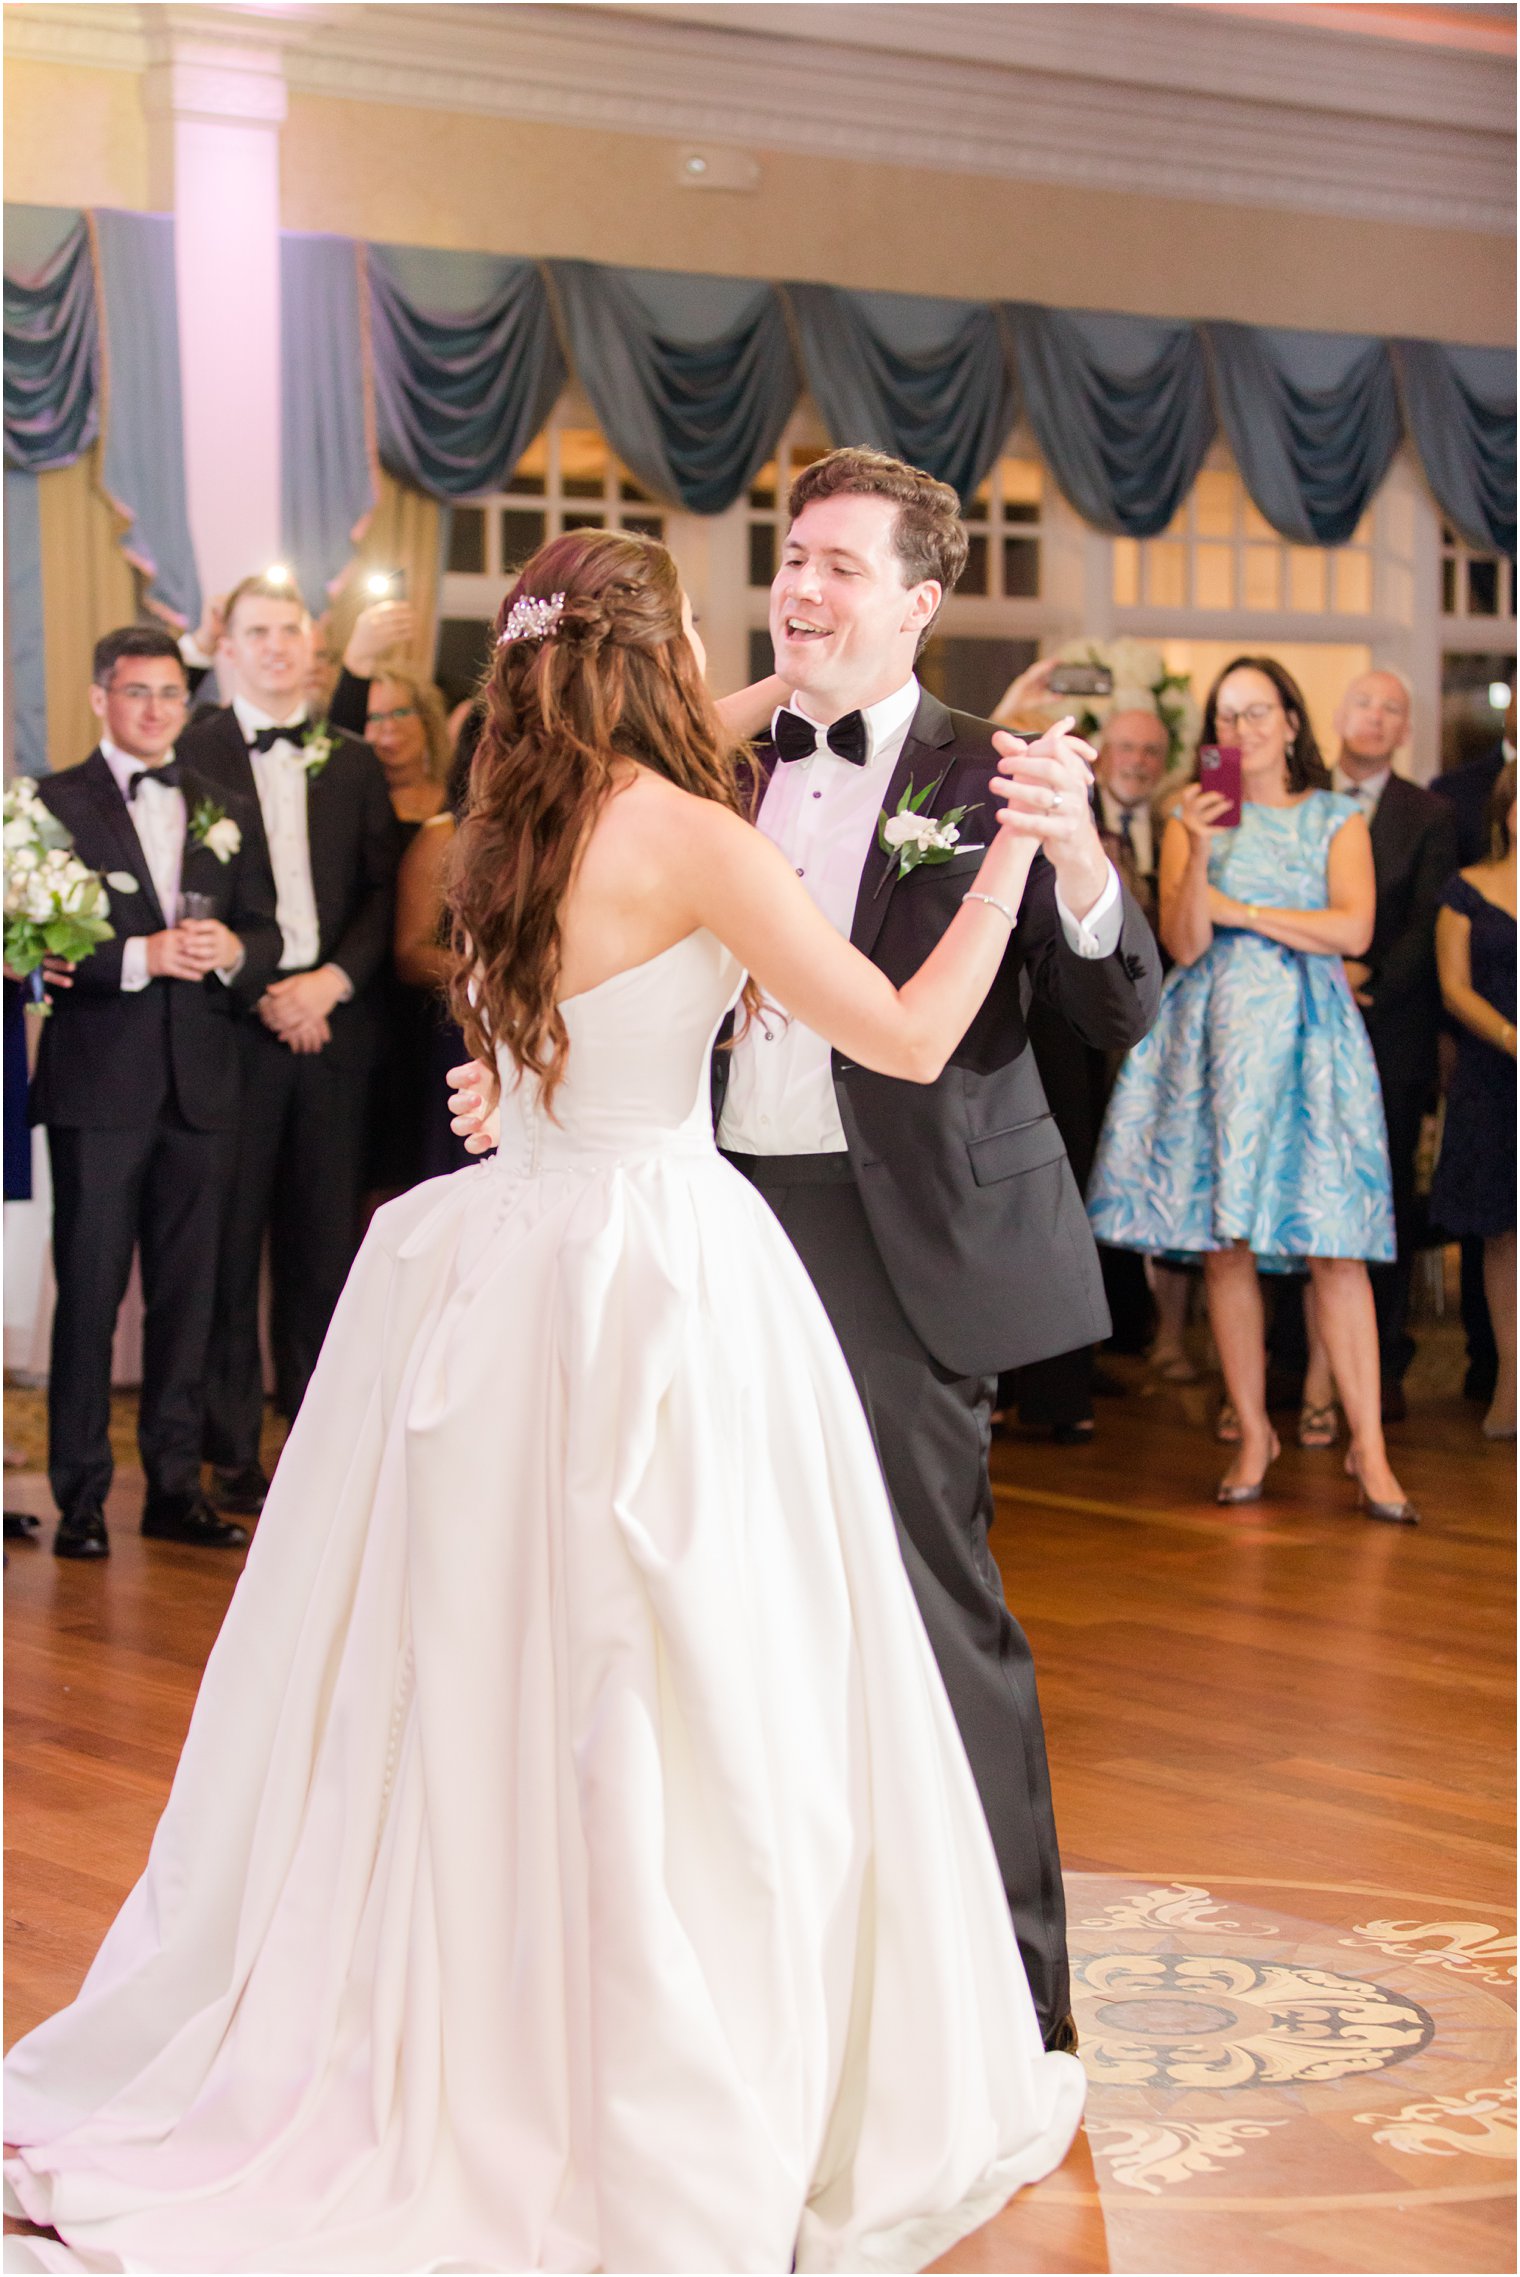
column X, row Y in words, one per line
column 158, row 816
column 1367, row 794
column 1141, row 837
column 822, row 813
column 280, row 777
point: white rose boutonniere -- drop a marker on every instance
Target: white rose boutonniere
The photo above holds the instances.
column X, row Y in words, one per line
column 212, row 826
column 917, row 838
column 317, row 747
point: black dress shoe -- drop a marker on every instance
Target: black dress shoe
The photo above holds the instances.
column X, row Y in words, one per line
column 82, row 1534
column 241, row 1491
column 21, row 1526
column 190, row 1518
column 1063, row 2040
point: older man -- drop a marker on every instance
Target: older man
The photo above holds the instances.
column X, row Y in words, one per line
column 1133, row 752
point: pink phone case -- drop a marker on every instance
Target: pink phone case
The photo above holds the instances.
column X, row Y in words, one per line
column 1219, row 770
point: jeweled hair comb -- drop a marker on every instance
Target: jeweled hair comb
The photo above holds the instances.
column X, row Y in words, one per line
column 531, row 619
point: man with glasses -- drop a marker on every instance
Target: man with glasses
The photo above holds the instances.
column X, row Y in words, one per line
column 138, row 1085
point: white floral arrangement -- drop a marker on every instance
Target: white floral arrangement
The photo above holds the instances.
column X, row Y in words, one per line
column 316, row 747
column 1142, row 683
column 55, row 905
column 914, row 837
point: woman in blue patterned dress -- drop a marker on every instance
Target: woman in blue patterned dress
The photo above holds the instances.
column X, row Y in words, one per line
column 1248, row 1126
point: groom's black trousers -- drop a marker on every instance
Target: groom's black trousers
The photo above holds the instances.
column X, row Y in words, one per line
column 932, row 1432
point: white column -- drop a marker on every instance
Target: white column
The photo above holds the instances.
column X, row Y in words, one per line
column 216, row 108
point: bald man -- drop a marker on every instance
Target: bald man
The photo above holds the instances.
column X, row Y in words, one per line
column 1414, row 852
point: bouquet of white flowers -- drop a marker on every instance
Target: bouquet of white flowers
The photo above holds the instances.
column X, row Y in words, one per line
column 54, row 905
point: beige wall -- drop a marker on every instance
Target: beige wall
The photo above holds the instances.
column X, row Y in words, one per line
column 74, row 138
column 77, row 137
column 501, row 185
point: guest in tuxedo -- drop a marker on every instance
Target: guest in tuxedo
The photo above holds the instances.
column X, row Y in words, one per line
column 138, row 1083
column 406, row 730
column 940, row 1223
column 319, row 803
column 1133, row 752
column 1468, row 790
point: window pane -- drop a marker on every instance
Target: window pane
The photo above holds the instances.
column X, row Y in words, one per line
column 1020, row 510
column 762, row 657
column 1023, row 484
column 1165, row 574
column 1256, row 524
column 645, row 525
column 1126, row 573
column 1306, row 578
column 974, row 576
column 585, row 521
column 1448, row 587
column 530, row 477
column 1216, row 497
column 1021, row 569
column 467, row 541
column 522, row 533
column 762, row 553
column 1353, row 584
column 762, row 490
column 1482, row 587
column 464, row 644
column 1262, row 580
column 628, row 488
column 1214, row 577
column 980, row 509
column 582, row 462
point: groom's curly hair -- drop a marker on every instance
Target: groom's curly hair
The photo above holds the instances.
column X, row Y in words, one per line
column 601, row 675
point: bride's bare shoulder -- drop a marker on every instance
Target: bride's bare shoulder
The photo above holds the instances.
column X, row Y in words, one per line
column 649, row 809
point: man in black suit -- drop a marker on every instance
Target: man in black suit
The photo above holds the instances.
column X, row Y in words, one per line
column 1414, row 852
column 1467, row 791
column 320, row 806
column 138, row 1083
column 940, row 1223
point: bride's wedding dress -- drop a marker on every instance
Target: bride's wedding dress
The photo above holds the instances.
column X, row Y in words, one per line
column 573, row 1864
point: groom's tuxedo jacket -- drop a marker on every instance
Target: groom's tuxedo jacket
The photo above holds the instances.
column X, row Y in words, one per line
column 109, row 1059
column 964, row 1181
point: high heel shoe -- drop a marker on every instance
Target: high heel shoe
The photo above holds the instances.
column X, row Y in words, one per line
column 1233, row 1496
column 1401, row 1513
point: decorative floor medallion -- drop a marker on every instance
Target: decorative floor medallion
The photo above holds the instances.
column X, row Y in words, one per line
column 1279, row 2045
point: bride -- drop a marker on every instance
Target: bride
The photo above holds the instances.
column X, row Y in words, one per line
column 573, row 1864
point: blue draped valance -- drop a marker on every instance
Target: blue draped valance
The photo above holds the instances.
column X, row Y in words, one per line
column 1313, row 421
column 52, row 359
column 1459, row 407
column 327, row 464
column 692, row 378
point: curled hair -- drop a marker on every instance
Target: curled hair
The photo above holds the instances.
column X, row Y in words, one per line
column 1306, row 768
column 615, row 681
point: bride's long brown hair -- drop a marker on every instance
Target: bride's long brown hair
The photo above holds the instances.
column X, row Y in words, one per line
column 615, row 680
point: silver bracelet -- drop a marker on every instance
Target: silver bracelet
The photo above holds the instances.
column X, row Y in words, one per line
column 992, row 902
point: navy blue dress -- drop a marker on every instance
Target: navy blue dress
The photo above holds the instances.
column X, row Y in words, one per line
column 1474, row 1187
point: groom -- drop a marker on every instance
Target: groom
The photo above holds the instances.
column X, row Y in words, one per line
column 939, row 1223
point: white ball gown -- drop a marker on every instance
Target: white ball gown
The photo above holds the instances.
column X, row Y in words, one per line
column 572, row 1864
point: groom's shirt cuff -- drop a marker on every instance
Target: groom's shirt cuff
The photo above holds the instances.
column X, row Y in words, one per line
column 1096, row 934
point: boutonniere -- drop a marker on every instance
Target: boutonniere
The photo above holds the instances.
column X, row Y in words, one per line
column 212, row 826
column 317, row 746
column 915, row 838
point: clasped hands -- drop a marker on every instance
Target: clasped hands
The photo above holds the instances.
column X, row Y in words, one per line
column 191, row 950
column 1046, row 790
column 297, row 1009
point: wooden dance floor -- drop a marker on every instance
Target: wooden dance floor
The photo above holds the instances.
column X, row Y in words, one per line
column 1281, row 1741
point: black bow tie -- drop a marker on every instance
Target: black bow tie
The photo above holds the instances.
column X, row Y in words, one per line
column 168, row 775
column 265, row 738
column 797, row 738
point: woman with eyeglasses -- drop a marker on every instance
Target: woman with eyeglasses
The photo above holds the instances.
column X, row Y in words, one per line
column 1247, row 1129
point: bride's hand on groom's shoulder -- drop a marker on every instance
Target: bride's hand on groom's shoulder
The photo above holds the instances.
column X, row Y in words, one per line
column 475, row 1105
